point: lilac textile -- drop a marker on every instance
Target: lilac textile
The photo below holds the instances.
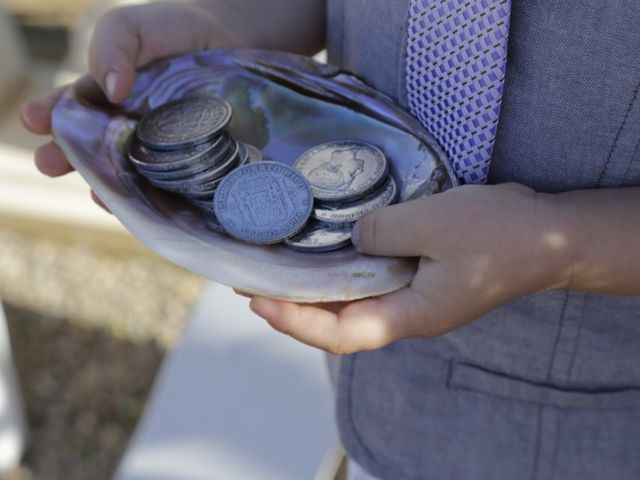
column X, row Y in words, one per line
column 457, row 55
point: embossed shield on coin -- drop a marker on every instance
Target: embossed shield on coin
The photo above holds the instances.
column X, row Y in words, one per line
column 263, row 203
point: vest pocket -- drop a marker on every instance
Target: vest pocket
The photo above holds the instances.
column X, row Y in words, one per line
column 470, row 377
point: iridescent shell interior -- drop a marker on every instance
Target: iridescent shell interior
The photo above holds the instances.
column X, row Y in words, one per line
column 283, row 104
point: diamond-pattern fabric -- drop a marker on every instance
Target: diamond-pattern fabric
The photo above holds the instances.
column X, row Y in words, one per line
column 457, row 55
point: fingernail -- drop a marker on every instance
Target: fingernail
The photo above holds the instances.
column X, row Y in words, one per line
column 25, row 116
column 111, row 82
column 355, row 234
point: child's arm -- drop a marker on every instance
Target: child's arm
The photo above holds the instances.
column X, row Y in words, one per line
column 479, row 247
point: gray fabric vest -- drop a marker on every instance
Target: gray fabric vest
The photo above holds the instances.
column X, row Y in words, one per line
column 548, row 386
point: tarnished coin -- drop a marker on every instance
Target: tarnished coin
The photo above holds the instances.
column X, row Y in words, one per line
column 205, row 179
column 354, row 211
column 184, row 123
column 343, row 171
column 255, row 155
column 321, row 237
column 196, row 195
column 211, row 222
column 263, row 203
column 204, row 204
column 178, row 163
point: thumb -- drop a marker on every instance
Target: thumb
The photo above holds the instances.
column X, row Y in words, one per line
column 396, row 231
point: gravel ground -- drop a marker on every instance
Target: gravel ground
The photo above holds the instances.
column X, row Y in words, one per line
column 84, row 390
column 134, row 297
column 89, row 329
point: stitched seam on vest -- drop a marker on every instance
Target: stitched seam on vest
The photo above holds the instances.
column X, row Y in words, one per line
column 556, row 436
column 618, row 134
column 556, row 341
column 545, row 462
column 628, row 169
column 538, row 447
column 577, row 340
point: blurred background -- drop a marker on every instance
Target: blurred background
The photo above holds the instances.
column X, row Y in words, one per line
column 92, row 314
column 90, row 311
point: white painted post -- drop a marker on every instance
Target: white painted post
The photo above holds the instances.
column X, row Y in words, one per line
column 12, row 53
column 13, row 434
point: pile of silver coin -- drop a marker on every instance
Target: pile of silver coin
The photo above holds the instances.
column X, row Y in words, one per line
column 349, row 179
column 184, row 147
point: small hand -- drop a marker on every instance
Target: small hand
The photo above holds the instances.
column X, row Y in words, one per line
column 124, row 39
column 479, row 247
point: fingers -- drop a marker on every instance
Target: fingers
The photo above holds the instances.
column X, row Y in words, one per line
column 36, row 114
column 128, row 37
column 51, row 161
column 397, row 231
column 364, row 325
column 113, row 51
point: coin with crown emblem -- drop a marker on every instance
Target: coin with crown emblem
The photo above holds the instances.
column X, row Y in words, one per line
column 263, row 203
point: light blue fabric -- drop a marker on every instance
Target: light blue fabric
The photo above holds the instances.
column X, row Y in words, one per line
column 548, row 386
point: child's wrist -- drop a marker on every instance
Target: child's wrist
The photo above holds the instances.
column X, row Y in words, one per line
column 556, row 246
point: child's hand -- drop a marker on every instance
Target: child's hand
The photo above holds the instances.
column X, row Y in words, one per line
column 479, row 247
column 124, row 39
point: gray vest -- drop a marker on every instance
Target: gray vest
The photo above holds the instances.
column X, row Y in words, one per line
column 548, row 386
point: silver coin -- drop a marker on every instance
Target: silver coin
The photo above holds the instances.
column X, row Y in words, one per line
column 263, row 203
column 203, row 180
column 197, row 167
column 212, row 223
column 184, row 123
column 206, row 191
column 171, row 163
column 344, row 170
column 354, row 211
column 205, row 195
column 255, row 155
column 205, row 204
column 321, row 237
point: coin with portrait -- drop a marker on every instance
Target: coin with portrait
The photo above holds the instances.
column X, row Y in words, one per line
column 343, row 170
